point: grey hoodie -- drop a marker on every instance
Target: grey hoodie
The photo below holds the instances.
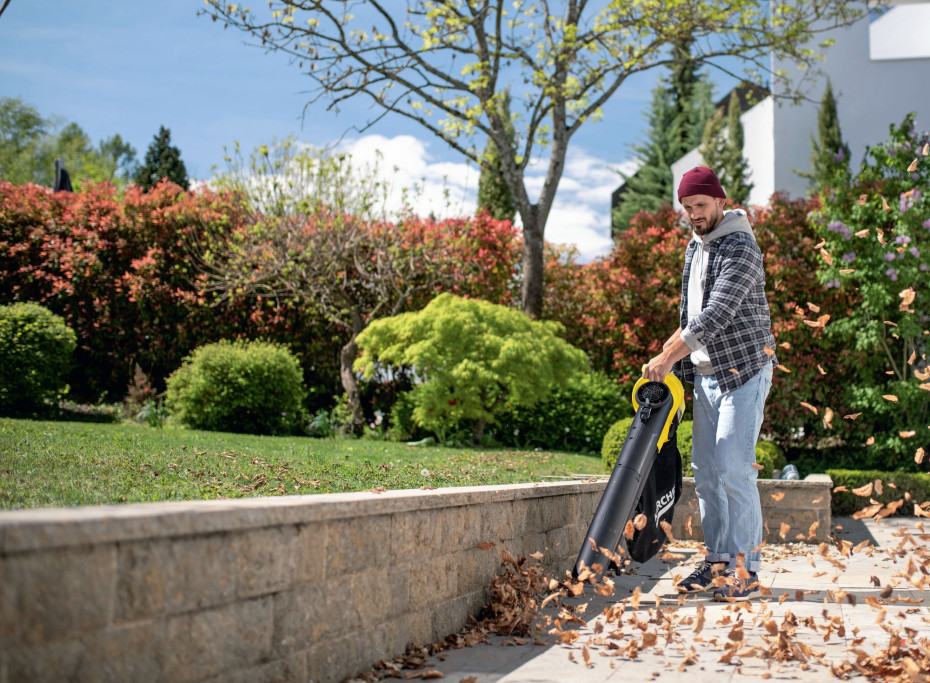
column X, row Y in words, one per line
column 732, row 221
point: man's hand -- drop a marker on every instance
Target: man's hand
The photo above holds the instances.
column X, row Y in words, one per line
column 672, row 351
column 658, row 368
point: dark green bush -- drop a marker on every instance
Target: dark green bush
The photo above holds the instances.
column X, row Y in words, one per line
column 573, row 418
column 767, row 454
column 35, row 357
column 248, row 387
column 845, row 503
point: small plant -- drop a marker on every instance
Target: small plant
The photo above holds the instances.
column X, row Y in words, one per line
column 322, row 424
column 153, row 413
column 35, row 358
column 249, row 387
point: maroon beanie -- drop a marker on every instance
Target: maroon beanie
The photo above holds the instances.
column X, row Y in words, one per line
column 700, row 180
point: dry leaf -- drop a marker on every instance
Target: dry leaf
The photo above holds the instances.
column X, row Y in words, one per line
column 639, row 522
column 486, row 545
column 814, row 307
column 890, row 397
column 863, row 232
column 769, row 351
column 820, row 368
column 907, row 298
column 847, row 271
column 863, row 198
column 864, row 491
column 851, row 416
column 828, row 418
column 688, row 521
column 926, row 150
column 757, row 466
column 919, row 456
column 783, row 530
column 906, row 434
column 826, row 257
column 786, row 346
column 782, row 368
column 777, row 496
column 885, row 206
column 913, row 166
column 811, row 408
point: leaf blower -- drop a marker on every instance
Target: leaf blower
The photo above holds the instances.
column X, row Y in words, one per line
column 645, row 483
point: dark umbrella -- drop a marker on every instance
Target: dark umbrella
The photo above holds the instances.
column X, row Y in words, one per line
column 62, row 179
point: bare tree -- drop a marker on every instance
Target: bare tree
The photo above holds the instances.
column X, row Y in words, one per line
column 446, row 64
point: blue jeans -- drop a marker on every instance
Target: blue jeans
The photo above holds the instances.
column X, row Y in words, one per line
column 723, row 452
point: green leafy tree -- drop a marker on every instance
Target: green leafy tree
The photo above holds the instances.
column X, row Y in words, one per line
column 829, row 153
column 474, row 359
column 162, row 160
column 29, row 145
column 722, row 150
column 493, row 191
column 446, row 65
column 22, row 129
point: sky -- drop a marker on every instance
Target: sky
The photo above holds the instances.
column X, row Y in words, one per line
column 128, row 67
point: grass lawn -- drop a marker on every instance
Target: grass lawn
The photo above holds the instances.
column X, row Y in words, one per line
column 47, row 463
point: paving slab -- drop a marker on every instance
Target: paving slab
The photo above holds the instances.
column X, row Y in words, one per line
column 819, row 595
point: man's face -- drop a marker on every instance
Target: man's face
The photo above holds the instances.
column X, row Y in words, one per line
column 703, row 212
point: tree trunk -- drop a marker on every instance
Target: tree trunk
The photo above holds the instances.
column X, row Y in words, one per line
column 349, row 383
column 532, row 292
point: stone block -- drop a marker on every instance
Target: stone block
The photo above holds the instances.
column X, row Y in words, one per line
column 208, row 642
column 451, row 616
column 357, row 544
column 429, row 532
column 176, row 575
column 272, row 559
column 341, row 658
column 474, row 569
column 57, row 594
column 539, row 515
column 310, row 549
column 432, row 581
column 293, row 668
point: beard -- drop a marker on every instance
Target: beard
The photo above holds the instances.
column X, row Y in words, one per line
column 707, row 225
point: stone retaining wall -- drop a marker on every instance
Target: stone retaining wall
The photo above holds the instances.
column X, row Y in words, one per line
column 293, row 588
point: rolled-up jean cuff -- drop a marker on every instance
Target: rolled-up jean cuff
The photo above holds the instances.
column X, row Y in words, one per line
column 713, row 558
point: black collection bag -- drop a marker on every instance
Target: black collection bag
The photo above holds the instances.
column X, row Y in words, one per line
column 661, row 491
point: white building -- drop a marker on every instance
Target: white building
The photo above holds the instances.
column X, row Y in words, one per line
column 880, row 70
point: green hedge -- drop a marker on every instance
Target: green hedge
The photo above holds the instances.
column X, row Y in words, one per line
column 768, row 454
column 846, row 503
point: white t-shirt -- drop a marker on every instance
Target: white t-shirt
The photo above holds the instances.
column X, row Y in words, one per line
column 699, row 358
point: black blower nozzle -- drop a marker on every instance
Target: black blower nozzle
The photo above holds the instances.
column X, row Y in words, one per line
column 658, row 409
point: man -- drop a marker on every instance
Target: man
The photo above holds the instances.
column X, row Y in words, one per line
column 726, row 349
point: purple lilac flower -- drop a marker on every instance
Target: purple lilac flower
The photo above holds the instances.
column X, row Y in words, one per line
column 908, row 199
column 927, row 224
column 833, row 283
column 837, row 226
column 915, row 252
column 923, row 267
column 849, row 257
column 840, row 155
column 902, row 239
column 889, row 256
column 892, row 273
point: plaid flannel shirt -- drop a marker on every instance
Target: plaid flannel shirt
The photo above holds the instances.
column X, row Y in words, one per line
column 734, row 324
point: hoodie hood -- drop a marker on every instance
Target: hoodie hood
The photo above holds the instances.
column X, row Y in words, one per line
column 732, row 221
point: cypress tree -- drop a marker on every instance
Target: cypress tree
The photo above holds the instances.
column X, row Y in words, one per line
column 493, row 192
column 162, row 160
column 829, row 153
column 681, row 104
column 722, row 150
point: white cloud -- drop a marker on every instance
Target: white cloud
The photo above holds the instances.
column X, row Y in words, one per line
column 580, row 214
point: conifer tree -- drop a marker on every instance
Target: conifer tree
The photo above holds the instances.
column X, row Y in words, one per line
column 493, row 191
column 162, row 160
column 722, row 150
column 681, row 103
column 829, row 153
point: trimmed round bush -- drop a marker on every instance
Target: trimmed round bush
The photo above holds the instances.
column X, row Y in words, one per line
column 238, row 386
column 35, row 358
column 613, row 442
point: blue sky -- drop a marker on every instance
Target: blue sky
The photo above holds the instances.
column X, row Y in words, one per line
column 128, row 67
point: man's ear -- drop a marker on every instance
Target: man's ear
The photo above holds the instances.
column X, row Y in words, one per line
column 721, row 202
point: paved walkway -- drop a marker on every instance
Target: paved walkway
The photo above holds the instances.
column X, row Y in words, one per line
column 808, row 604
